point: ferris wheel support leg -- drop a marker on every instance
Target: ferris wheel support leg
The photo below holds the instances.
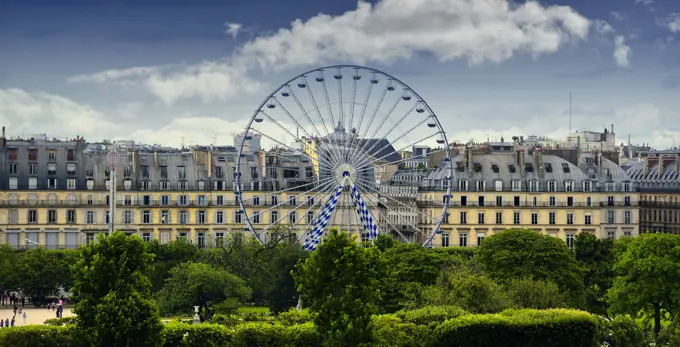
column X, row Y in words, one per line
column 314, row 236
column 365, row 215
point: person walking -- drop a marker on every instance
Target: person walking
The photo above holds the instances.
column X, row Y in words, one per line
column 7, row 322
column 12, row 321
column 24, row 317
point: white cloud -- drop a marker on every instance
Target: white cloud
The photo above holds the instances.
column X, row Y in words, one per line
column 617, row 15
column 474, row 30
column 603, row 27
column 41, row 112
column 233, row 29
column 644, row 2
column 673, row 22
column 622, row 52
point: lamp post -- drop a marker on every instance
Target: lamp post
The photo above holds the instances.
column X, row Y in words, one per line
column 112, row 159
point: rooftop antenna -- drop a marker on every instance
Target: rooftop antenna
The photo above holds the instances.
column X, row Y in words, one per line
column 182, row 138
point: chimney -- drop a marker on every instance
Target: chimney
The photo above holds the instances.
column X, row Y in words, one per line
column 646, row 166
column 538, row 159
column 661, row 164
column 578, row 142
column 468, row 158
column 520, row 160
column 155, row 157
column 598, row 157
column 3, row 132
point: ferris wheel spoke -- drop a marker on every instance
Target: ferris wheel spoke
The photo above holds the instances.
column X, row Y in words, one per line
column 385, row 118
column 293, row 197
column 316, row 106
column 367, row 151
column 363, row 109
column 302, row 108
column 367, row 159
column 328, row 185
column 338, row 78
column 401, row 217
column 401, row 203
column 325, row 180
column 377, row 107
column 355, row 80
column 283, row 108
column 320, row 158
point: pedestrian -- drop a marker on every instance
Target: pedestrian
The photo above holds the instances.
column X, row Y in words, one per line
column 12, row 321
column 24, row 317
column 2, row 323
column 7, row 323
column 15, row 309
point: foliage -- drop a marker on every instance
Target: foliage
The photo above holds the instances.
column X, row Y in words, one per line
column 464, row 253
column 430, row 314
column 166, row 257
column 670, row 335
column 282, row 257
column 293, row 317
column 391, row 331
column 622, row 331
column 536, row 294
column 198, row 284
column 466, row 286
column 42, row 272
column 190, row 335
column 9, row 276
column 648, row 278
column 554, row 328
column 341, row 283
column 113, row 294
column 411, row 267
column 523, row 253
column 60, row 322
column 384, row 242
column 597, row 257
column 37, row 336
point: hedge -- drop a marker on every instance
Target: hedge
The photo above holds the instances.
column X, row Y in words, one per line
column 62, row 321
column 555, row 328
column 512, row 328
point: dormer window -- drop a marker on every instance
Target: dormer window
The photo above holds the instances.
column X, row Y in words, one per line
column 459, row 166
column 548, row 167
column 512, row 168
column 529, row 167
column 569, row 186
column 494, row 168
column 477, row 167
column 462, row 185
column 552, row 186
column 565, row 168
column 587, row 186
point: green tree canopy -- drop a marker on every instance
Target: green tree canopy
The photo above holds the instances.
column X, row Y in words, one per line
column 198, row 284
column 166, row 257
column 42, row 272
column 340, row 281
column 523, row 253
column 112, row 294
column 597, row 257
column 9, row 268
column 647, row 282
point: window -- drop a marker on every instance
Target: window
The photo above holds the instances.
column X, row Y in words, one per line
column 445, row 239
column 163, row 185
column 201, row 217
column 256, row 201
column 551, row 218
column 463, row 239
column 219, row 200
column 588, row 220
column 165, row 200
column 570, row 240
column 256, row 218
column 183, row 185
column 146, row 237
column 548, row 167
column 499, row 217
column 534, row 218
column 237, row 217
column 512, row 168
column 533, row 186
column 565, row 168
column 569, row 186
column 89, row 217
column 310, row 217
column 12, row 168
column 219, row 217
column 144, row 171
column 52, row 154
column 51, row 183
column 499, row 201
column 292, row 200
column 480, row 201
column 516, row 186
column 183, row 217
column 494, row 168
column 32, row 216
column 165, row 217
column 589, row 201
column 13, row 183
column 570, row 218
column 12, row 154
column 626, row 200
column 275, row 200
column 182, row 172
column 164, row 172
column 463, row 200
column 146, row 217
column 480, row 218
column 146, row 200
column 611, row 235
column 570, row 201
column 462, row 185
column 516, row 200
column 627, row 217
column 200, row 239
column 610, row 201
column 32, row 154
column 481, row 186
column 273, row 216
column 463, row 218
column 127, row 217
column 71, row 216
column 515, row 218
column 13, row 217
column 202, row 200
column 32, row 169
column 552, row 186
column 292, row 218
column 480, row 238
column 310, row 201
column 183, row 200
column 552, row 201
column 587, row 186
column 71, row 183
column 52, row 216
column 626, row 186
column 70, row 154
column 611, row 217
column 89, row 238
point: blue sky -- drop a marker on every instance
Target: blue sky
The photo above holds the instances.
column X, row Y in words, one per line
column 197, row 70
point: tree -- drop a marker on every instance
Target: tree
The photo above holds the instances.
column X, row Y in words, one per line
column 647, row 282
column 198, row 284
column 341, row 283
column 112, row 294
column 283, row 264
column 466, row 286
column 9, row 263
column 166, row 257
column 41, row 273
column 523, row 253
column 597, row 257
column 539, row 295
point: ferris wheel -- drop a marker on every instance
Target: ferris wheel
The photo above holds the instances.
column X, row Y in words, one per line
column 341, row 146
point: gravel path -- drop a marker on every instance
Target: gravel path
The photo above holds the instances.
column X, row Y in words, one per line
column 33, row 315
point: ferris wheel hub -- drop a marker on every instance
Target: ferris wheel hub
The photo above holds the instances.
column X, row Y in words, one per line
column 344, row 172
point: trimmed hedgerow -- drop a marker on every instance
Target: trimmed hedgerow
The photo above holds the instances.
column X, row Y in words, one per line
column 293, row 316
column 555, row 328
column 37, row 335
column 430, row 315
column 60, row 322
column 390, row 331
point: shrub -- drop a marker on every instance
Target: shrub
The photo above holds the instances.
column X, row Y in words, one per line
column 37, row 336
column 293, row 316
column 555, row 328
column 622, row 331
column 190, row 335
column 60, row 322
column 430, row 314
column 670, row 335
column 228, row 320
column 465, row 253
column 303, row 334
column 390, row 331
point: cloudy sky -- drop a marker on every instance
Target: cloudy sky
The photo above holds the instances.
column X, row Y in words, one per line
column 195, row 71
